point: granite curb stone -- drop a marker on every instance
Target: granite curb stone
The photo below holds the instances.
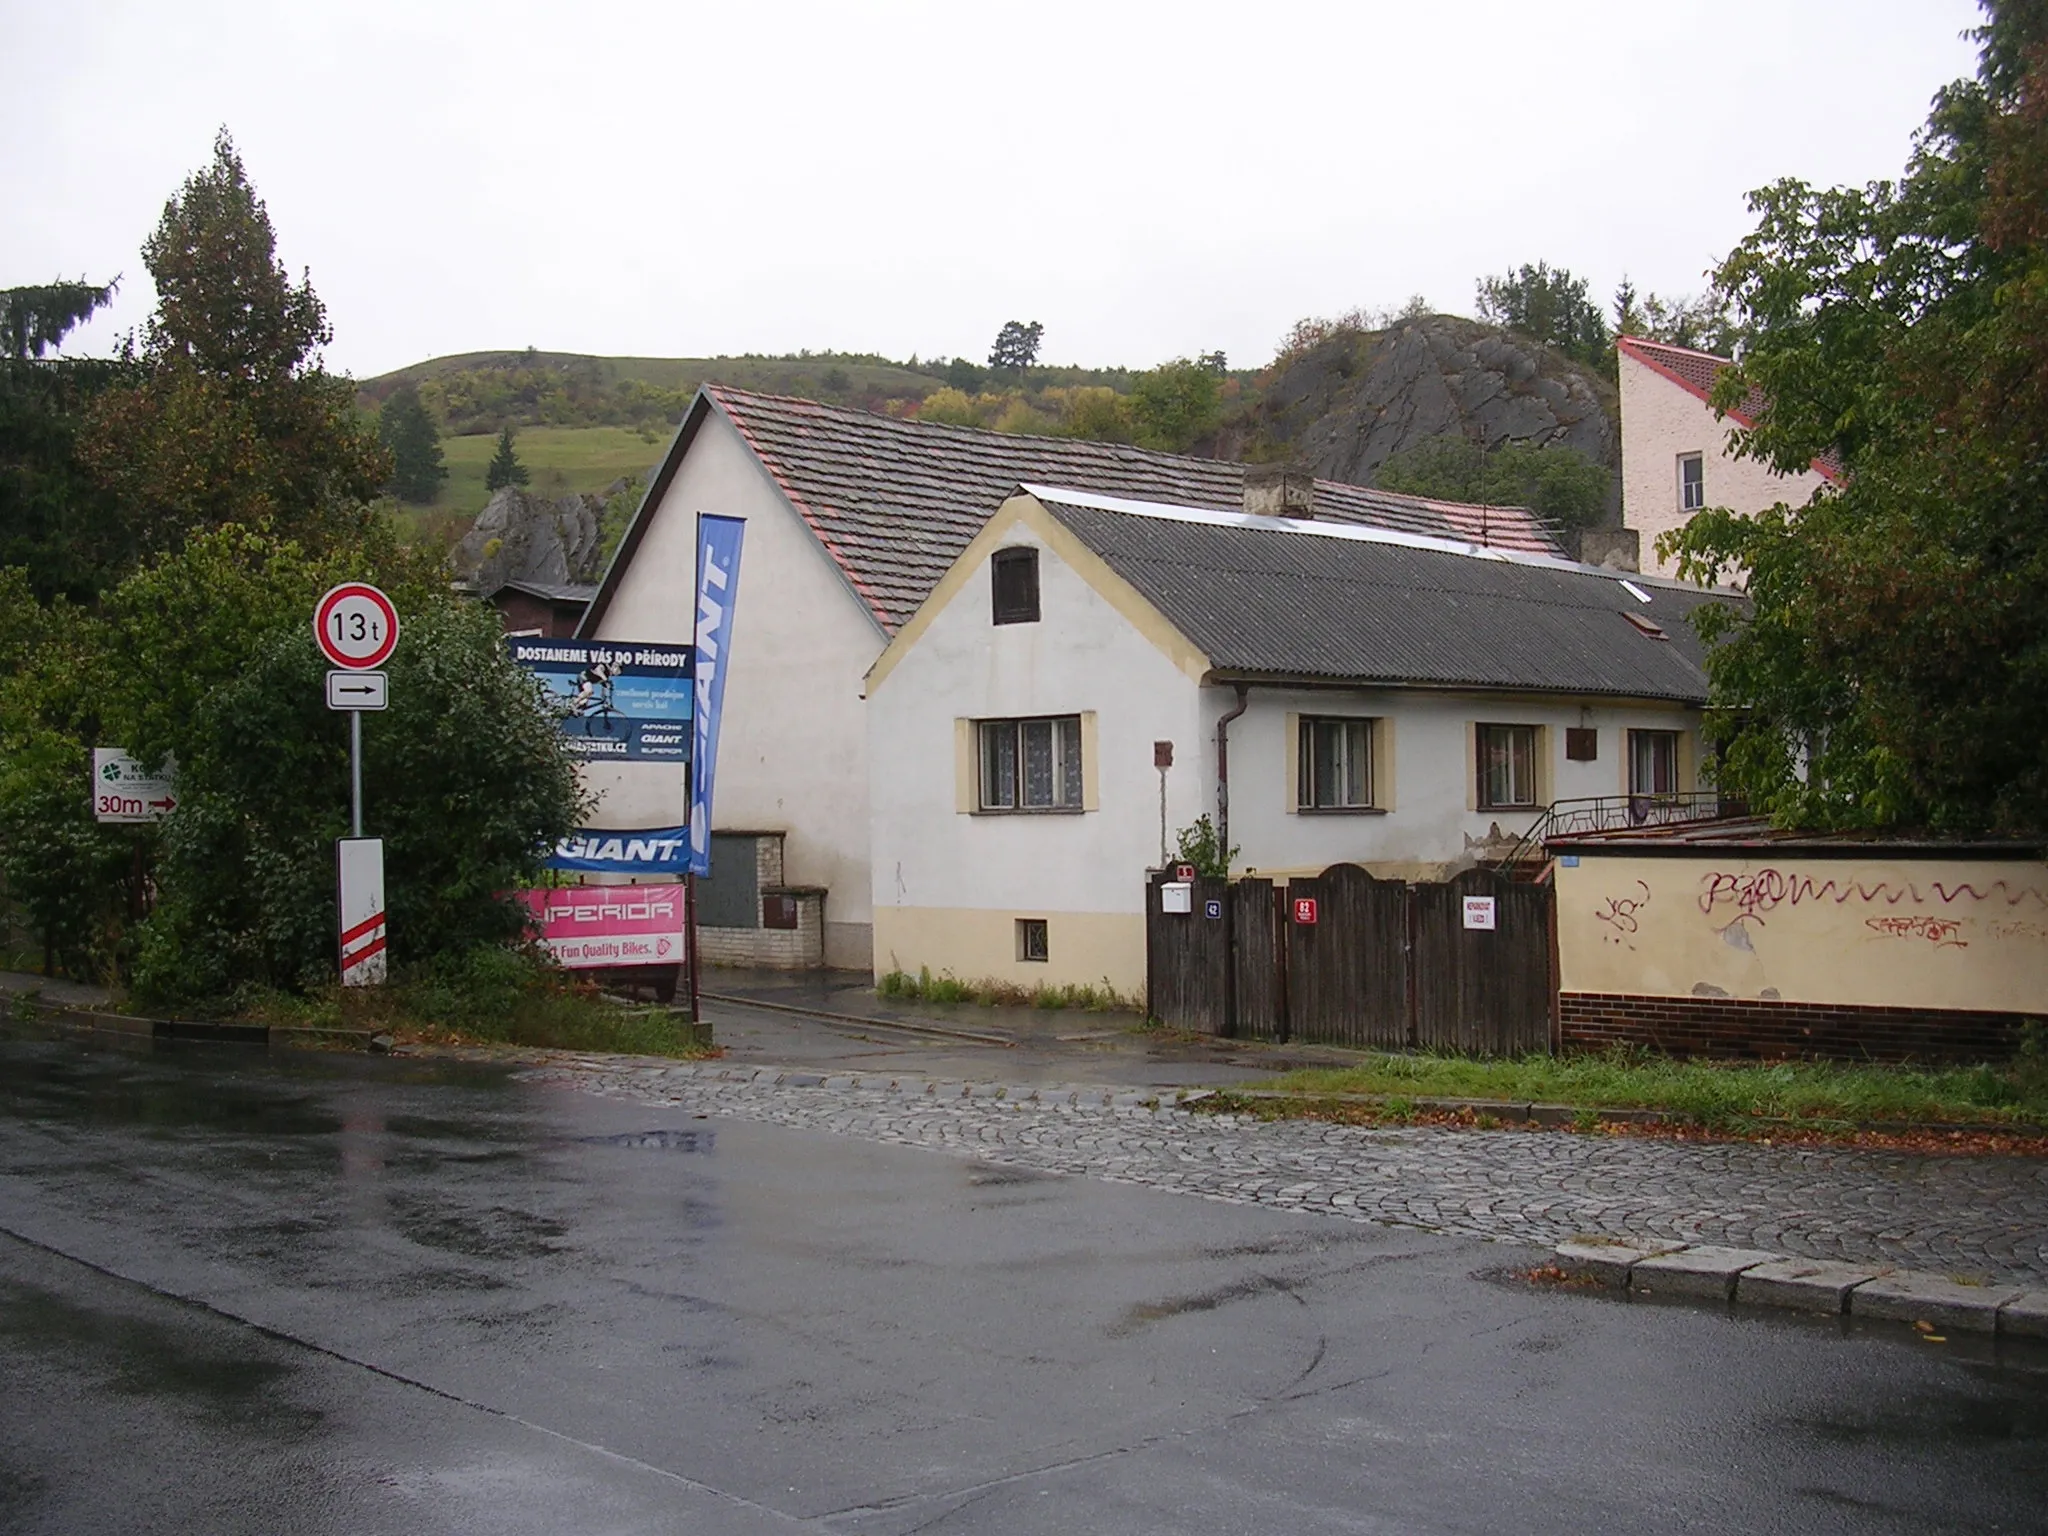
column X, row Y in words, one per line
column 1917, row 1298
column 1609, row 1263
column 1802, row 1285
column 2026, row 1316
column 1704, row 1270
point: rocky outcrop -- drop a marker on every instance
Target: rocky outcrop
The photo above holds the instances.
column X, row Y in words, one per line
column 1352, row 401
column 523, row 537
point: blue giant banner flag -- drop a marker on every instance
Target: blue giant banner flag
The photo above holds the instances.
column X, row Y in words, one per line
column 640, row 851
column 718, row 587
column 622, row 700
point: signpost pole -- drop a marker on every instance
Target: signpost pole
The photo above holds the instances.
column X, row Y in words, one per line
column 355, row 770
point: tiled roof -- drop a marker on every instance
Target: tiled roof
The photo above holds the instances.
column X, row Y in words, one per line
column 1696, row 373
column 1266, row 599
column 895, row 502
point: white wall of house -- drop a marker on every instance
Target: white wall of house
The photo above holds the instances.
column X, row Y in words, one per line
column 950, row 882
column 1661, row 423
column 1426, row 821
column 793, row 744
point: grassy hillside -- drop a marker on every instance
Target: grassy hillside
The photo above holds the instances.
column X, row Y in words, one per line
column 558, row 460
column 823, row 376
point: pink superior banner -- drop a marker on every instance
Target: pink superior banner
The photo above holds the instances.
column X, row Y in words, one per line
column 593, row 925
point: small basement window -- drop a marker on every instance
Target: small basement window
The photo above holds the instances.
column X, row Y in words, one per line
column 1032, row 943
column 1014, row 584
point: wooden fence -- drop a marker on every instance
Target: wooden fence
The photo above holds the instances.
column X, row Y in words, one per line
column 1345, row 959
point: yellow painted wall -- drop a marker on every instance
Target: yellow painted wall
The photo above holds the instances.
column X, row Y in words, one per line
column 1085, row 948
column 1908, row 933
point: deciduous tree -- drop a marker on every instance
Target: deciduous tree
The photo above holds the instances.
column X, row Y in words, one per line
column 1894, row 665
column 1557, row 482
column 1176, row 405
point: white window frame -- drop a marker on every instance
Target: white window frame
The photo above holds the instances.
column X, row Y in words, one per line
column 1692, row 493
column 1006, row 789
column 1652, row 741
column 1356, row 754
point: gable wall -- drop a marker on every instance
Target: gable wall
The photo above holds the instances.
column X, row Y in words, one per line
column 793, row 748
column 1660, row 420
column 950, row 884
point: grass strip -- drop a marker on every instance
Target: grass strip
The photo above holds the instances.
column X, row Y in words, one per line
column 1711, row 1093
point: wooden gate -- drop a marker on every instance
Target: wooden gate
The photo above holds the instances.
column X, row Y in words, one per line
column 1187, row 961
column 1347, row 972
column 1259, row 933
column 1383, row 964
column 1485, row 991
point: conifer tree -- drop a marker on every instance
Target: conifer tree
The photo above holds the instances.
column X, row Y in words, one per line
column 505, row 468
column 407, row 431
column 236, row 420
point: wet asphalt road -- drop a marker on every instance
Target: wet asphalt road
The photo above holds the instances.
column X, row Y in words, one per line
column 285, row 1293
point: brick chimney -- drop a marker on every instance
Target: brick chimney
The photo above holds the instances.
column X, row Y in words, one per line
column 1279, row 490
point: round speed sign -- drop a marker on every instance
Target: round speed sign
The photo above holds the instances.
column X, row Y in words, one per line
column 356, row 626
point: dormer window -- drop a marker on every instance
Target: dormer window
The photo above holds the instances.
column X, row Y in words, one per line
column 1016, row 585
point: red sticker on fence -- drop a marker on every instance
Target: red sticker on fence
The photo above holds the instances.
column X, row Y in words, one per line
column 1184, row 873
column 1305, row 910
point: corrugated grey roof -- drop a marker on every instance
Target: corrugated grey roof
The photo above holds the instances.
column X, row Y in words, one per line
column 1270, row 602
column 895, row 502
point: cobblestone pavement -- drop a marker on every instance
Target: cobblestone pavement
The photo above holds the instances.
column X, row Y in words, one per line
column 1961, row 1215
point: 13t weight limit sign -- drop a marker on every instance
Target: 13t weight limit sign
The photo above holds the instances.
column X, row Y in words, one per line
column 356, row 625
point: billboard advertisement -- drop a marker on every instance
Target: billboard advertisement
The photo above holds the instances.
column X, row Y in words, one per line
column 642, row 851
column 718, row 590
column 595, row 925
column 621, row 700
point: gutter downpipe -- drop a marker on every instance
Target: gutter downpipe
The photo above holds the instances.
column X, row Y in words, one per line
column 1223, row 849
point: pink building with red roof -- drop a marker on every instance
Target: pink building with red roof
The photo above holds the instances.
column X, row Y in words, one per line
column 1675, row 458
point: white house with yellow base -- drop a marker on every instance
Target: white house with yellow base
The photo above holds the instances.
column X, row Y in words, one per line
column 1094, row 673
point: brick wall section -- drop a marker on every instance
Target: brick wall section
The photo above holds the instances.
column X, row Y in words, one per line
column 784, row 949
column 1743, row 1027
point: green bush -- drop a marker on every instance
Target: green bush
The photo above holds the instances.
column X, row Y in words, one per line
column 464, row 779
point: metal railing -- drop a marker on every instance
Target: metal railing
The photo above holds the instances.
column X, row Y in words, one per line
column 1610, row 813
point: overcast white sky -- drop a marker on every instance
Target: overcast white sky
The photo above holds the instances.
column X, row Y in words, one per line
column 1148, row 180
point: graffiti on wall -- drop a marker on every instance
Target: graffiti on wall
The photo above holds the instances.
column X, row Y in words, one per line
column 1748, row 897
column 1619, row 914
column 1944, row 932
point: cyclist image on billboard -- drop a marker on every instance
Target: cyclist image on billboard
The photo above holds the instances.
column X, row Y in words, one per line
column 618, row 699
